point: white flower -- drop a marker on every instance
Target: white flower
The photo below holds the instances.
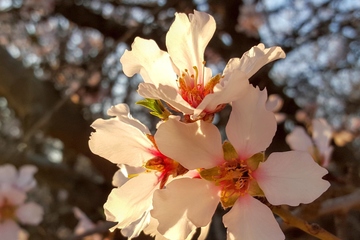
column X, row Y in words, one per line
column 318, row 146
column 234, row 173
column 180, row 77
column 128, row 143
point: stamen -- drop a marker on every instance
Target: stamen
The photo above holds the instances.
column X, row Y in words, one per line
column 196, row 76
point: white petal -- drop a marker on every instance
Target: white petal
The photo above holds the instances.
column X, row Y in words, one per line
column 254, row 59
column 124, row 173
column 204, row 232
column 26, row 180
column 119, row 178
column 121, row 143
column 251, row 126
column 250, row 219
column 151, row 230
column 231, row 88
column 153, row 64
column 30, row 213
column 299, row 140
column 9, row 230
column 184, row 200
column 135, row 228
column 128, row 203
column 167, row 94
column 122, row 112
column 8, row 174
column 194, row 145
column 187, row 39
column 291, row 178
column 322, row 134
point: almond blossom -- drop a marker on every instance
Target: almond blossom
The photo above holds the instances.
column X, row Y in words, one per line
column 318, row 145
column 13, row 206
column 180, row 78
column 234, row 173
column 128, row 143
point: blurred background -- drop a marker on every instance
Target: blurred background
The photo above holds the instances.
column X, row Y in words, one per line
column 60, row 70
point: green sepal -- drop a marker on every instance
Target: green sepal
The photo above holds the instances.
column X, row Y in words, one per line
column 156, row 107
column 254, row 189
column 254, row 160
column 210, row 174
column 229, row 201
column 230, row 153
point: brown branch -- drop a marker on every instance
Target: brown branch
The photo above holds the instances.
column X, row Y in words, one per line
column 312, row 229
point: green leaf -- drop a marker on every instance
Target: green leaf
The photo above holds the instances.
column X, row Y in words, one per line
column 156, row 107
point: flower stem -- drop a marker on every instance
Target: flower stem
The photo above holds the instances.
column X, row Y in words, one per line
column 312, row 229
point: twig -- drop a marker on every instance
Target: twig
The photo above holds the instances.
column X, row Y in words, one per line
column 340, row 204
column 312, row 229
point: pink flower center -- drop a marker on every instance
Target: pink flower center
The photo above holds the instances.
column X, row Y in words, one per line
column 161, row 163
column 192, row 89
column 7, row 211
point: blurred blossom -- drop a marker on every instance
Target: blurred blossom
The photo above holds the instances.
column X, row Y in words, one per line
column 84, row 225
column 14, row 209
column 274, row 104
column 318, row 145
column 250, row 20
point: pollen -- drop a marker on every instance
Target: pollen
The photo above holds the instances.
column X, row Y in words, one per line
column 233, row 176
column 164, row 165
column 192, row 88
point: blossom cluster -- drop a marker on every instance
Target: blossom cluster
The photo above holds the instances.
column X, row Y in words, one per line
column 14, row 209
column 171, row 182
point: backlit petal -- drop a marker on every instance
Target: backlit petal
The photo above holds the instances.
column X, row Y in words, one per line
column 135, row 228
column 254, row 59
column 230, row 88
column 187, row 39
column 168, row 94
column 193, row 145
column 122, row 112
column 153, row 64
column 184, row 200
column 250, row 219
column 120, row 143
column 129, row 202
column 291, row 178
column 251, row 126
